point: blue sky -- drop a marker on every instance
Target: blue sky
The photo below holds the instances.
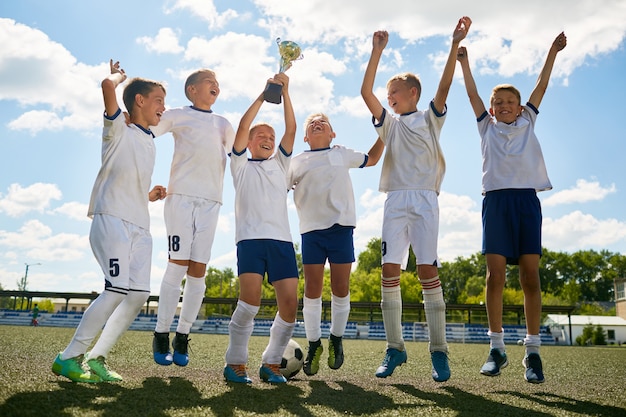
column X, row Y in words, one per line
column 55, row 54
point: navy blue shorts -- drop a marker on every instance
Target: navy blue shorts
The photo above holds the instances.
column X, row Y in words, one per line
column 335, row 244
column 512, row 223
column 277, row 258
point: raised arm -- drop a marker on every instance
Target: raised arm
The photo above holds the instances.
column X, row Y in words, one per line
column 460, row 32
column 290, row 119
column 470, row 85
column 379, row 41
column 243, row 131
column 109, row 84
column 544, row 76
column 375, row 152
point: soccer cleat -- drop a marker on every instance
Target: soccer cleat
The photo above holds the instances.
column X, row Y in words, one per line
column 181, row 349
column 312, row 361
column 73, row 369
column 534, row 368
column 393, row 358
column 335, row 352
column 161, row 349
column 270, row 372
column 441, row 368
column 495, row 362
column 236, row 373
column 99, row 367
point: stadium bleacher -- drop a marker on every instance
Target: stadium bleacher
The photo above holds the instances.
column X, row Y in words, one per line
column 417, row 331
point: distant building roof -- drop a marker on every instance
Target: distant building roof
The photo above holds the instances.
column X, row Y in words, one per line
column 585, row 320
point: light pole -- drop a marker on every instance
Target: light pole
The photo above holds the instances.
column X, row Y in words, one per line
column 24, row 282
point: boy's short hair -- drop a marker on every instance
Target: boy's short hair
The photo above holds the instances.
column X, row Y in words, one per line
column 411, row 79
column 138, row 86
column 194, row 77
column 258, row 125
column 507, row 87
column 312, row 116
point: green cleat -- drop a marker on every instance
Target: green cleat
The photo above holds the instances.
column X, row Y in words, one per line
column 312, row 361
column 99, row 367
column 74, row 370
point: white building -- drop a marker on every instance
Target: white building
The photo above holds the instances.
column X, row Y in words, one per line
column 613, row 326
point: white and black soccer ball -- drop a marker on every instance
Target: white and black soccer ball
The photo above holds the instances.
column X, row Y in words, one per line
column 293, row 359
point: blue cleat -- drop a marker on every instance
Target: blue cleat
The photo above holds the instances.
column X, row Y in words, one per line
column 393, row 358
column 181, row 349
column 441, row 368
column 495, row 362
column 271, row 373
column 534, row 368
column 161, row 349
column 236, row 373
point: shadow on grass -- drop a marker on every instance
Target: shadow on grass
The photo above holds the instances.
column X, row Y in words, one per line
column 159, row 397
column 466, row 404
column 573, row 405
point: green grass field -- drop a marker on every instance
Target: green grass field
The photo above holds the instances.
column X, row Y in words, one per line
column 579, row 382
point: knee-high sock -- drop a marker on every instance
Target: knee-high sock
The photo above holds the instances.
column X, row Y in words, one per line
column 169, row 296
column 340, row 311
column 312, row 314
column 193, row 294
column 92, row 322
column 119, row 322
column 280, row 333
column 391, row 306
column 435, row 309
column 239, row 330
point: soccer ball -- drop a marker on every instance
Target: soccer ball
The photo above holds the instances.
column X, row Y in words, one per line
column 293, row 359
column 520, row 342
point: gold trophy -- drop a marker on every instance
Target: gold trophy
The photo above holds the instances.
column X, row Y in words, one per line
column 289, row 52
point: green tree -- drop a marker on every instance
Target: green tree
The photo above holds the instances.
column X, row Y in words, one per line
column 599, row 337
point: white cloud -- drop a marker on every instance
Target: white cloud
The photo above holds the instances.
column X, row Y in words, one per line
column 206, row 10
column 30, row 75
column 74, row 211
column 34, row 240
column 36, row 197
column 577, row 230
column 583, row 192
column 165, row 42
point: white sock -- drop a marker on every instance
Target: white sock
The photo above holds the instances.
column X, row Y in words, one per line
column 435, row 309
column 312, row 314
column 92, row 322
column 280, row 333
column 239, row 330
column 532, row 343
column 496, row 340
column 121, row 319
column 169, row 296
column 391, row 306
column 193, row 294
column 340, row 310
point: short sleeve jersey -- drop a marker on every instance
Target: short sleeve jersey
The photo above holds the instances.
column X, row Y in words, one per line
column 123, row 182
column 201, row 142
column 323, row 191
column 260, row 196
column 413, row 158
column 512, row 156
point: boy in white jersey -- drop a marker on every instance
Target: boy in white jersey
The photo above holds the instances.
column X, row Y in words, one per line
column 201, row 142
column 325, row 202
column 264, row 244
column 412, row 172
column 120, row 229
column 513, row 172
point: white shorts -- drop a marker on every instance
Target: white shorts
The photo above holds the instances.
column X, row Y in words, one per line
column 124, row 252
column 411, row 217
column 191, row 223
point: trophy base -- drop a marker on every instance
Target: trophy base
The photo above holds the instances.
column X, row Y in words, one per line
column 273, row 93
